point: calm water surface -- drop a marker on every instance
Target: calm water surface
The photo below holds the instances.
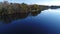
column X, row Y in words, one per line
column 47, row 22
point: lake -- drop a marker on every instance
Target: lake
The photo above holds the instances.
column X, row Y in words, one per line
column 45, row 22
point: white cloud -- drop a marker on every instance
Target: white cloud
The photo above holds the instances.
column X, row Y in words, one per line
column 51, row 2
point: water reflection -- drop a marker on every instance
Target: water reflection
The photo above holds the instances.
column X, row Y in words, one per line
column 8, row 18
column 35, row 13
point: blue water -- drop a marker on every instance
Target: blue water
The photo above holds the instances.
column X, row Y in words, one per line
column 47, row 22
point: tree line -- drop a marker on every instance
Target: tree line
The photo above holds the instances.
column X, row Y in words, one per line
column 13, row 8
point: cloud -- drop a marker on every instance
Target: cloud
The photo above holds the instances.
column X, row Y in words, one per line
column 50, row 2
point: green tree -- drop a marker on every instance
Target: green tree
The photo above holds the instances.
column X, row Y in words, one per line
column 24, row 7
column 10, row 9
column 35, row 7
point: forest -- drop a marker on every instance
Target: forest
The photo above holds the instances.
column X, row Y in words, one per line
column 14, row 8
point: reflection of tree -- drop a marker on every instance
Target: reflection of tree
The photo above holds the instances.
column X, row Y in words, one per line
column 19, row 16
column 35, row 13
column 9, row 18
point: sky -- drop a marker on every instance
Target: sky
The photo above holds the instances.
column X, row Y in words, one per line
column 40, row 2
